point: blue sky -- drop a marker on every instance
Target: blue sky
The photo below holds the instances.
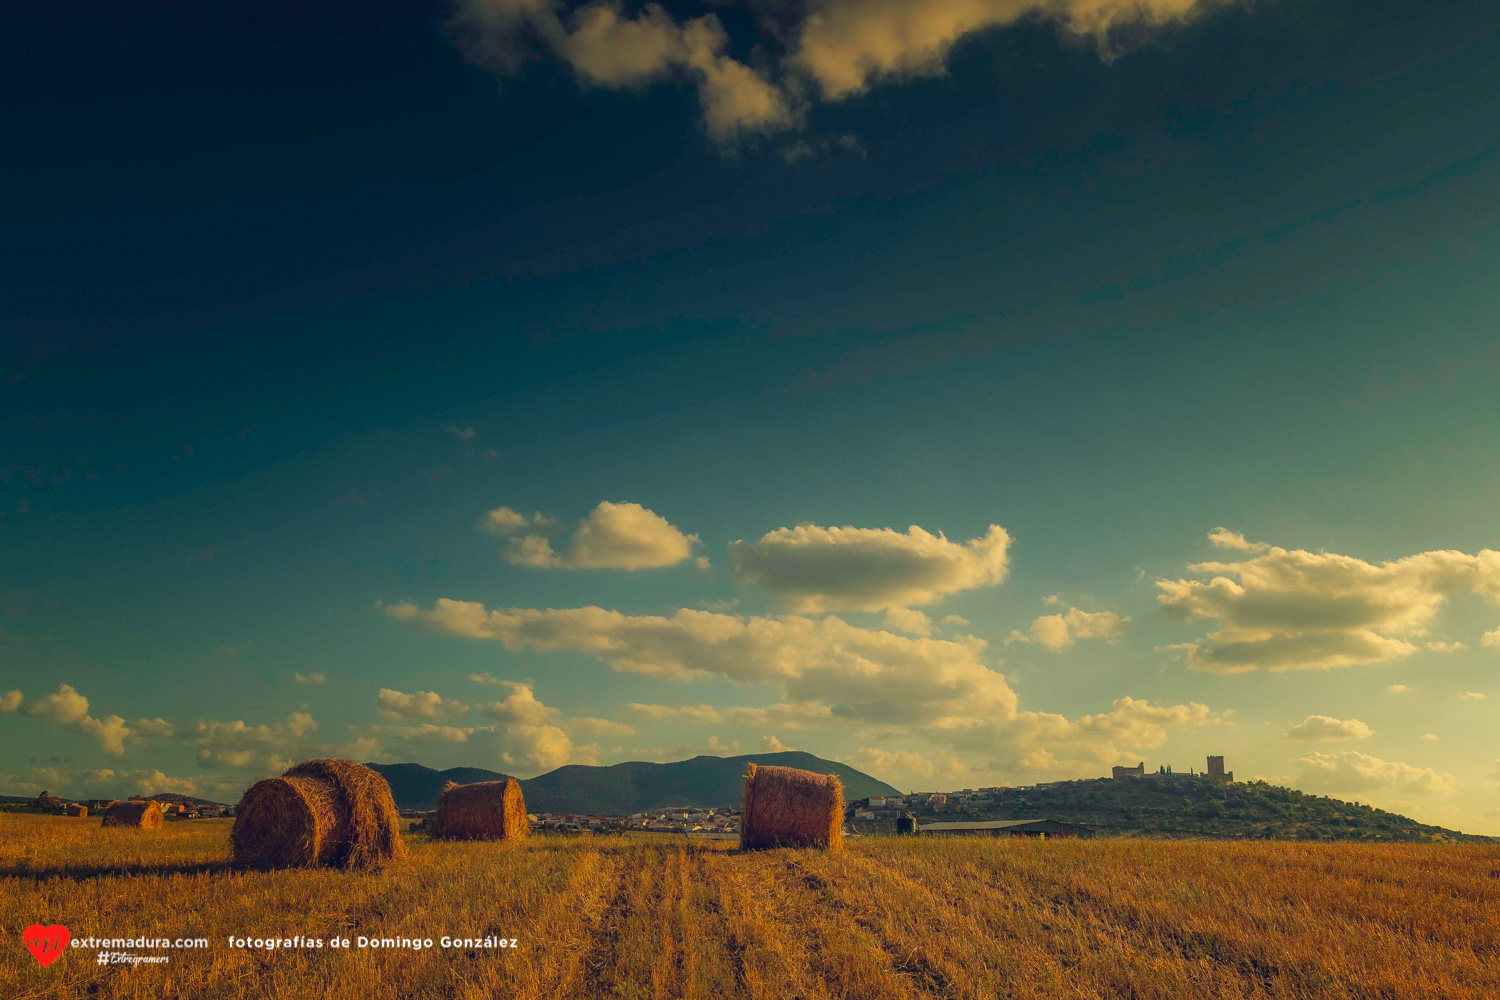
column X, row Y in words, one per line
column 295, row 300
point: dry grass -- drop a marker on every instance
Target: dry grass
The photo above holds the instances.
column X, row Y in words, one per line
column 788, row 807
column 485, row 810
column 656, row 917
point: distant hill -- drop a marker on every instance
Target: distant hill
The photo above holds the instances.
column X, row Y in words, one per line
column 416, row 787
column 626, row 788
column 1188, row 806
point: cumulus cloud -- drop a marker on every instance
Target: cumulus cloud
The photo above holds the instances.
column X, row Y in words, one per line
column 1446, row 647
column 781, row 716
column 10, row 701
column 908, row 620
column 814, row 569
column 866, row 674
column 623, row 536
column 1430, row 737
column 903, row 764
column 265, row 748
column 66, row 706
column 421, row 705
column 1058, row 632
column 1223, row 538
column 1132, row 726
column 1491, row 638
column 954, row 620
column 310, row 680
column 606, row 47
column 63, row 706
column 157, row 728
column 462, row 433
column 1352, row 771
column 1298, row 610
column 1471, row 696
column 1325, row 727
column 770, row 744
column 808, row 49
column 1397, row 689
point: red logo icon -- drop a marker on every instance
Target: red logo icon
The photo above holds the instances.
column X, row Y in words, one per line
column 47, row 943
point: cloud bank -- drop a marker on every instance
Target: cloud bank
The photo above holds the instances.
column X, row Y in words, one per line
column 806, row 51
column 1297, row 610
column 813, row 569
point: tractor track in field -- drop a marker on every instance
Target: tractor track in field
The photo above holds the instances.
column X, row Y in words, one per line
column 924, row 976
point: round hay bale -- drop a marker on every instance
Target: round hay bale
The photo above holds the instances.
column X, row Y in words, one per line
column 321, row 812
column 76, row 811
column 485, row 810
column 788, row 807
column 144, row 814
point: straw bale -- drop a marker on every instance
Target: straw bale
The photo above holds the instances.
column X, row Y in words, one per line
column 142, row 813
column 76, row 811
column 788, row 807
column 485, row 810
column 320, row 812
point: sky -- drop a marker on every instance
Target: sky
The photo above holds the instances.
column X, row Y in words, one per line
column 973, row 391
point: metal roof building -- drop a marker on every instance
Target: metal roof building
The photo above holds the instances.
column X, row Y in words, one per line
column 1010, row 828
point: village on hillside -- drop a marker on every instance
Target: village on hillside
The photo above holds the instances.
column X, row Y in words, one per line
column 911, row 812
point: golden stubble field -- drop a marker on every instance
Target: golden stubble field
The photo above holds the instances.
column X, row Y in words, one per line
column 655, row 917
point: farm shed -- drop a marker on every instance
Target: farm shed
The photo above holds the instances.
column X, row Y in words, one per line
column 1010, row 828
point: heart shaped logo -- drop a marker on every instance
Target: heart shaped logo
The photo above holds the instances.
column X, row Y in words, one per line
column 47, row 943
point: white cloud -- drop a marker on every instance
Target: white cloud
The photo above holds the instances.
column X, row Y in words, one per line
column 1223, row 538
column 862, row 674
column 1471, row 696
column 1397, row 689
column 157, row 728
column 64, row 706
column 1058, row 632
column 1491, row 638
column 10, row 701
column 266, row 748
column 310, row 680
column 1298, row 610
column 770, row 744
column 520, row 706
column 1090, row 742
column 898, row 767
column 1352, row 771
column 421, row 705
column 623, row 536
column 606, row 47
column 908, row 620
column 628, row 536
column 1325, row 727
column 462, row 433
column 954, row 620
column 814, row 569
column 1446, row 647
column 781, row 716
column 1430, row 737
column 846, row 46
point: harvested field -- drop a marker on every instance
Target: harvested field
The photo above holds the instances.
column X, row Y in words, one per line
column 659, row 917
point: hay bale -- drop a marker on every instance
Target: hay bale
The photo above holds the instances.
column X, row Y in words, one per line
column 76, row 811
column 142, row 813
column 485, row 810
column 321, row 812
column 788, row 807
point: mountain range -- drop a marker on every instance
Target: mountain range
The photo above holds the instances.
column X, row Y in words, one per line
column 621, row 789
